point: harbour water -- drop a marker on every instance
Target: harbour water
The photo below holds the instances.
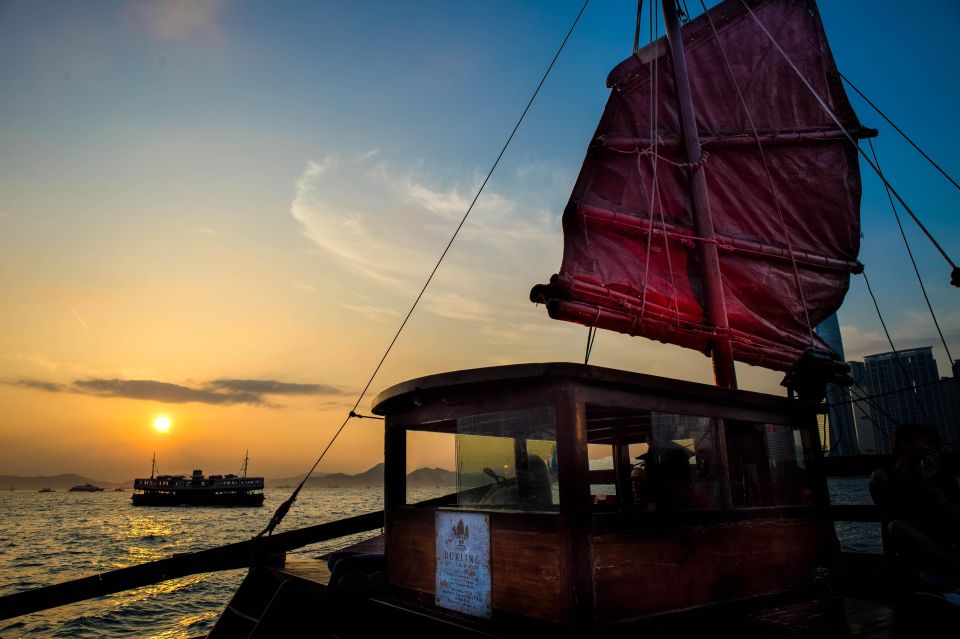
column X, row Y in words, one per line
column 46, row 538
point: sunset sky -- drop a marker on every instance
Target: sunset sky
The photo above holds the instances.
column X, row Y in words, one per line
column 219, row 212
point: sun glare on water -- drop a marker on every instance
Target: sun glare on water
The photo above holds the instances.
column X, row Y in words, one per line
column 162, row 424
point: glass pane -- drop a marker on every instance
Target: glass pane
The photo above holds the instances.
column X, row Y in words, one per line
column 675, row 465
column 603, row 487
column 681, row 467
column 431, row 459
column 767, row 465
column 508, row 459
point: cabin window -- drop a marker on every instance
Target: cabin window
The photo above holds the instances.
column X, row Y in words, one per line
column 508, row 460
column 658, row 461
column 767, row 465
column 431, row 460
column 505, row 460
column 603, row 485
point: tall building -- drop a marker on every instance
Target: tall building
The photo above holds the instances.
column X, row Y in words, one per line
column 870, row 439
column 840, row 429
column 906, row 387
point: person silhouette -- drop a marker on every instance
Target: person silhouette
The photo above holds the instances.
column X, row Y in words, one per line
column 920, row 510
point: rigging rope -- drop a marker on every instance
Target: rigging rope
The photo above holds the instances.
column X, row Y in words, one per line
column 636, row 33
column 900, row 131
column 654, row 184
column 916, row 270
column 883, row 115
column 591, row 337
column 896, row 354
column 904, row 389
column 766, row 167
column 955, row 274
column 282, row 510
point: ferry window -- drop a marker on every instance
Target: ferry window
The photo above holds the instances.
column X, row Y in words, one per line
column 508, row 460
column 767, row 465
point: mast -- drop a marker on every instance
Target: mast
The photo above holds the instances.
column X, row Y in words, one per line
column 722, row 352
column 153, row 465
column 246, row 458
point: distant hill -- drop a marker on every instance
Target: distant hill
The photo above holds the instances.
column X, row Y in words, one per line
column 371, row 477
column 56, row 482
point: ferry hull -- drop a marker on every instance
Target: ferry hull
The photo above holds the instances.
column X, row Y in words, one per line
column 197, row 499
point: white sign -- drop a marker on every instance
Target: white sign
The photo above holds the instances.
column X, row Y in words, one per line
column 463, row 562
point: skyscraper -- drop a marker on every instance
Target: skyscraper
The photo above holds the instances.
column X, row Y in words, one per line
column 840, row 429
column 906, row 387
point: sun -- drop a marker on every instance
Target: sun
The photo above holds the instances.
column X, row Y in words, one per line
column 162, row 424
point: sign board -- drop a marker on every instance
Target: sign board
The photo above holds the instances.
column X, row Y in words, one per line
column 463, row 562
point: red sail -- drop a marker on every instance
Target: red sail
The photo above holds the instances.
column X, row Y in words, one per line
column 630, row 262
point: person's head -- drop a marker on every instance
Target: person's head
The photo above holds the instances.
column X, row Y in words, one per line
column 915, row 441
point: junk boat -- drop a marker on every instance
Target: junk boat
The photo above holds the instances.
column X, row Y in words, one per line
column 198, row 489
column 714, row 511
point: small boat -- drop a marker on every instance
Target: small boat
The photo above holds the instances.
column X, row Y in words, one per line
column 85, row 488
column 198, row 489
column 118, row 489
column 46, row 490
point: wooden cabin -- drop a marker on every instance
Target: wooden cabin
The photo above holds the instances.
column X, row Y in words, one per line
column 589, row 495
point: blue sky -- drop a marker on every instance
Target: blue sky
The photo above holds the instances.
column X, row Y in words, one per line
column 172, row 173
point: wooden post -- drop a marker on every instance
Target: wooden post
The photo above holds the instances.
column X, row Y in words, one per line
column 576, row 570
column 722, row 351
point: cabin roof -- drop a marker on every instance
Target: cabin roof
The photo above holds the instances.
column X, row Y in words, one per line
column 583, row 374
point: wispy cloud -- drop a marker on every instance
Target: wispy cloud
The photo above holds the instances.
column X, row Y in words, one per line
column 79, row 319
column 376, row 313
column 165, row 392
column 220, row 392
column 50, row 387
column 352, row 237
column 389, row 225
column 179, row 19
column 458, row 307
column 273, row 387
column 914, row 330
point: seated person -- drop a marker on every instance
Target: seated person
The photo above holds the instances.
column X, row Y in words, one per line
column 530, row 489
column 920, row 509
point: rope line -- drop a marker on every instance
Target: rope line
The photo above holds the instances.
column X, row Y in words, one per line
column 883, row 115
column 896, row 391
column 636, row 33
column 654, row 184
column 285, row 506
column 899, row 130
column 896, row 354
column 916, row 270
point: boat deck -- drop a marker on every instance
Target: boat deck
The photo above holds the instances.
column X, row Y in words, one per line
column 296, row 601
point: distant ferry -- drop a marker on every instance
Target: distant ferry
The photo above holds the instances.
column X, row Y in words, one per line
column 198, row 489
column 86, row 488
